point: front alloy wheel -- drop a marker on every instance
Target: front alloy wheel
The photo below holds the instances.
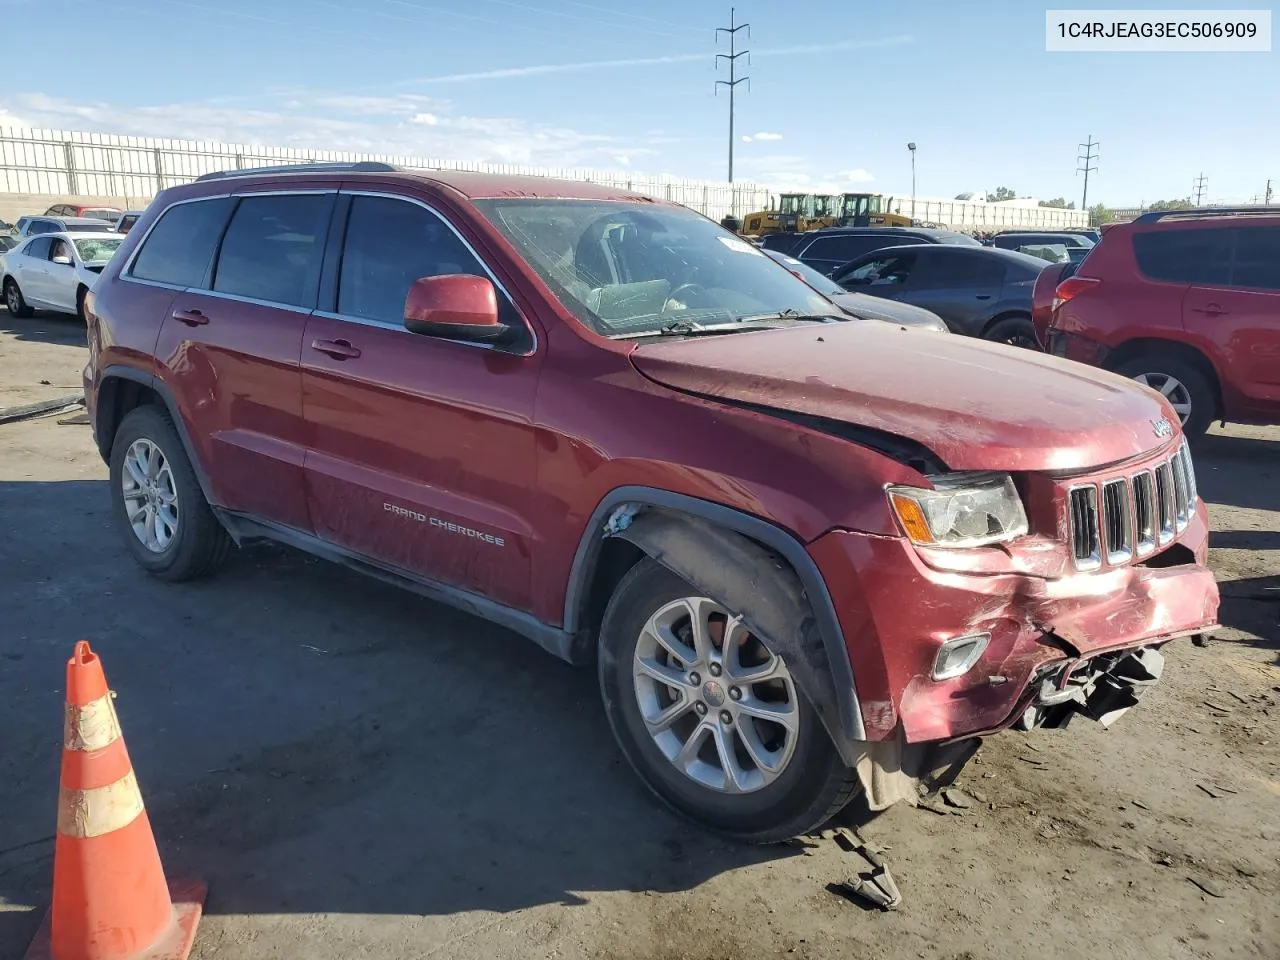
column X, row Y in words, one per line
column 709, row 715
column 716, row 702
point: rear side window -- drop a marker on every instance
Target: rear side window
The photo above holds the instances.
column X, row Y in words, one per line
column 273, row 248
column 42, row 226
column 944, row 269
column 1185, row 256
column 178, row 250
column 847, row 248
column 1257, row 259
column 389, row 244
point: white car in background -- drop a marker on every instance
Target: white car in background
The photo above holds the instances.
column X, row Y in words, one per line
column 54, row 271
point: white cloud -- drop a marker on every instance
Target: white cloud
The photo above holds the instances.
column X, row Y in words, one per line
column 767, row 136
column 398, row 125
column 856, row 176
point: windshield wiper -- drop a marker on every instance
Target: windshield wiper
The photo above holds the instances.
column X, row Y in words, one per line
column 788, row 314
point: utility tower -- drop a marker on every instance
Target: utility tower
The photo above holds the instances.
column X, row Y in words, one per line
column 1200, row 184
column 732, row 58
column 1268, row 200
column 1086, row 160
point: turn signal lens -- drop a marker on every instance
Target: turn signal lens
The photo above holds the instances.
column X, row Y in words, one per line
column 912, row 518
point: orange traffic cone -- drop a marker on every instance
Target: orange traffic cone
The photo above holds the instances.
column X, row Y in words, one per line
column 110, row 897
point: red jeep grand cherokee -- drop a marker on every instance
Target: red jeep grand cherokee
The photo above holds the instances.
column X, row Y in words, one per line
column 1186, row 302
column 804, row 553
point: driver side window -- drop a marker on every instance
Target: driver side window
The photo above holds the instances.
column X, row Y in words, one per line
column 389, row 244
column 882, row 271
column 61, row 249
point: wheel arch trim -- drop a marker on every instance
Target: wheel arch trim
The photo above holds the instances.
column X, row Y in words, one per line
column 651, row 529
column 160, row 389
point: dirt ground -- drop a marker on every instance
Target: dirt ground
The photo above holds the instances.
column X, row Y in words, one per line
column 359, row 772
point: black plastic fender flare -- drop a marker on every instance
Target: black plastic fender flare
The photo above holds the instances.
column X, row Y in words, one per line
column 734, row 558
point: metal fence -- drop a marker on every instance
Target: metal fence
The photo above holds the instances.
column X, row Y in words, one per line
column 66, row 163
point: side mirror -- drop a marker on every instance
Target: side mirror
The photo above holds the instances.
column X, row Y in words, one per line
column 458, row 306
column 62, row 259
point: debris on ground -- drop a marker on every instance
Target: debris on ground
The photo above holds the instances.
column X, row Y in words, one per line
column 1208, row 886
column 957, row 798
column 876, row 885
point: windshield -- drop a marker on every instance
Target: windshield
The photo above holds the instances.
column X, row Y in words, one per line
column 820, row 282
column 111, row 216
column 85, row 227
column 631, row 269
column 97, row 250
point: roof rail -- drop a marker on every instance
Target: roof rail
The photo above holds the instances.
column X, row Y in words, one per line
column 361, row 166
column 1208, row 212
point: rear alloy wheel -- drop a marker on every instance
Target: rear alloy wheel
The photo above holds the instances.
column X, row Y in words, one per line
column 1015, row 331
column 710, row 718
column 158, row 504
column 1181, row 383
column 14, row 300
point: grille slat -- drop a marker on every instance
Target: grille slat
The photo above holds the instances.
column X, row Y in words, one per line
column 1132, row 516
column 1117, row 520
column 1144, row 509
column 1085, row 540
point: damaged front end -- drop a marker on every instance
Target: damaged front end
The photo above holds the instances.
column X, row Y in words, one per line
column 1103, row 688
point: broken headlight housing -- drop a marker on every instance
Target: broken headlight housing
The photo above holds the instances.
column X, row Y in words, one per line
column 963, row 510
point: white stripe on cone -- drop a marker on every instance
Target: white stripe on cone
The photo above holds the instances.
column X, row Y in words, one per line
column 100, row 810
column 91, row 727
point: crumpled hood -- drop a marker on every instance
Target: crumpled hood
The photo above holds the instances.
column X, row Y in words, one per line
column 977, row 405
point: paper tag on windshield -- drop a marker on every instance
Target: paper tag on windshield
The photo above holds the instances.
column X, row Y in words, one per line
column 739, row 246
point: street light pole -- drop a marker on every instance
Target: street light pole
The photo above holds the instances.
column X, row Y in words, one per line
column 912, row 147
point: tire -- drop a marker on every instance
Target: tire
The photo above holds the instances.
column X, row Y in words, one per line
column 80, row 312
column 196, row 543
column 1015, row 331
column 14, row 300
column 1182, row 383
column 811, row 785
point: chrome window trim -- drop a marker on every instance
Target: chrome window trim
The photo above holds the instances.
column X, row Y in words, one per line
column 484, row 265
column 237, row 195
column 126, row 272
column 237, row 298
column 398, row 328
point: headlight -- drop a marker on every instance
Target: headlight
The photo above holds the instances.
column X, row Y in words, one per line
column 963, row 511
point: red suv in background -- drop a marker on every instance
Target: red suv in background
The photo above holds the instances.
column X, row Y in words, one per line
column 804, row 552
column 1186, row 302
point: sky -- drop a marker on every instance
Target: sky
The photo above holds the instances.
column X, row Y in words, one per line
column 837, row 89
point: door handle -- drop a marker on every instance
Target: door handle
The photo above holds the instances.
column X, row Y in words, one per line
column 192, row 318
column 1210, row 310
column 338, row 349
column 982, row 296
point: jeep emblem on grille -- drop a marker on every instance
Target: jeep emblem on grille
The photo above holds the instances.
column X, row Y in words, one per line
column 1162, row 427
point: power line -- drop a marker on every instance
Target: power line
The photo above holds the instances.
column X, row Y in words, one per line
column 1090, row 148
column 1200, row 184
column 733, row 81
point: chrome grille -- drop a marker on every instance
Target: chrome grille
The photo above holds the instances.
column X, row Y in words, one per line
column 1132, row 516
